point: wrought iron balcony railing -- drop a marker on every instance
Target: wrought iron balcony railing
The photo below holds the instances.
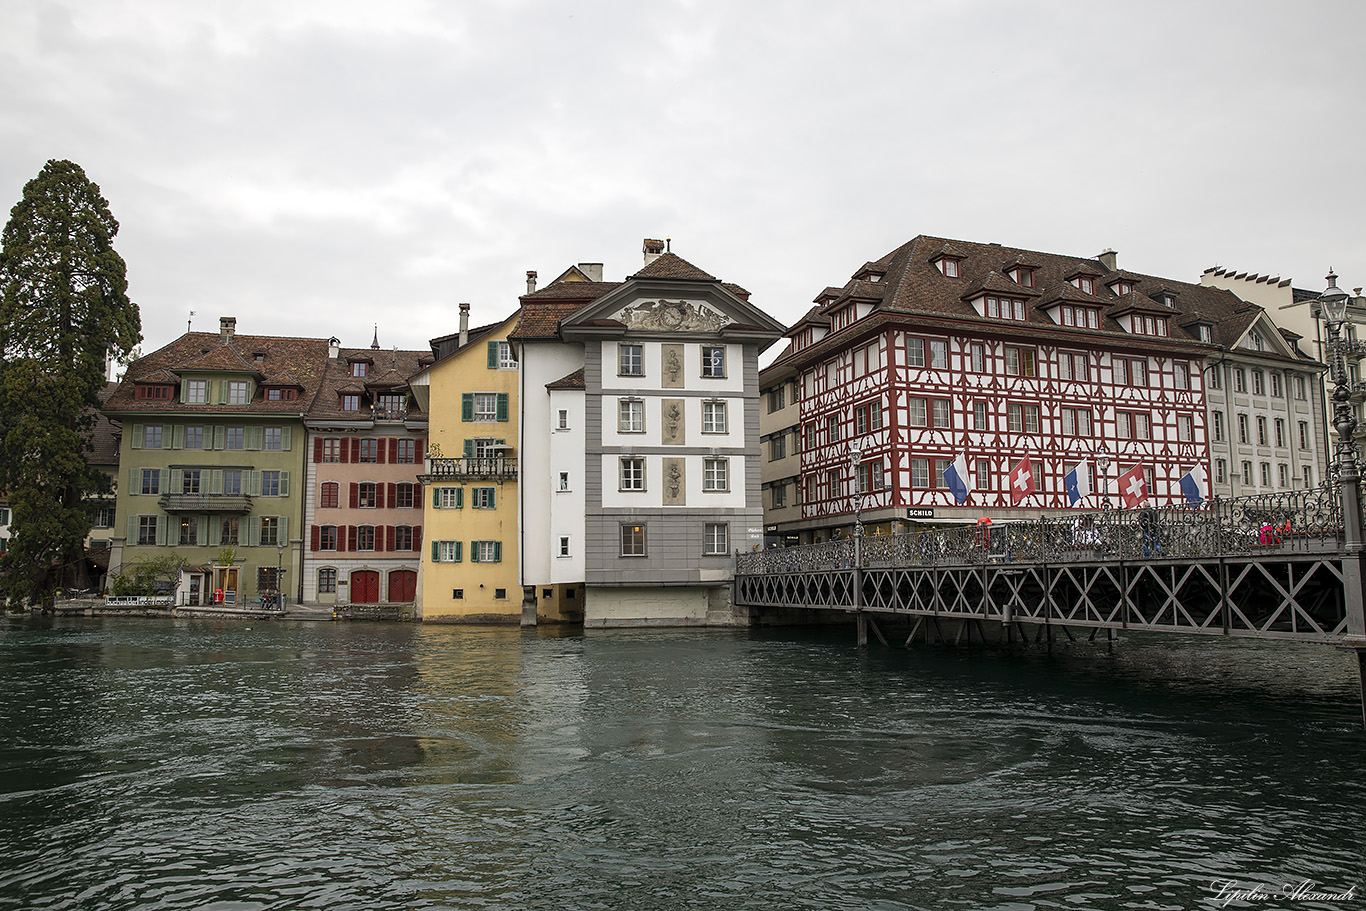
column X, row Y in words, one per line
column 389, row 412
column 205, row 502
column 498, row 468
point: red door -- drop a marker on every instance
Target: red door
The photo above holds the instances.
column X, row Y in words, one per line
column 365, row 587
column 402, row 585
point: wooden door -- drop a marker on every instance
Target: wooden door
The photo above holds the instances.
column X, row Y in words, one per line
column 402, row 585
column 365, row 587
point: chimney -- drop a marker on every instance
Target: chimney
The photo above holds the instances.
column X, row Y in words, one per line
column 653, row 249
column 592, row 270
column 334, row 348
column 531, row 281
column 465, row 318
column 227, row 325
column 1108, row 258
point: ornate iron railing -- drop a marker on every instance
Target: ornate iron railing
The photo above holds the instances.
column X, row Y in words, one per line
column 1308, row 521
column 205, row 502
column 500, row 468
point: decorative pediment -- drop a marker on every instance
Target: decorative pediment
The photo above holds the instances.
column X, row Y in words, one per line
column 681, row 315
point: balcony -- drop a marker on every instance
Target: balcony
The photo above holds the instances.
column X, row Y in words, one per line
column 495, row 468
column 205, row 502
column 389, row 413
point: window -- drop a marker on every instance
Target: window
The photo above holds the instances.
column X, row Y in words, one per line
column 233, row 438
column 407, row 452
column 151, row 480
column 390, row 405
column 979, row 416
column 939, row 354
column 632, row 474
column 1220, row 471
column 714, row 360
column 1277, row 388
column 189, row 531
column 1121, row 371
column 868, row 417
column 405, row 496
column 485, row 406
column 979, row 357
column 1023, row 275
column 633, row 540
column 564, row 546
column 1300, row 388
column 630, row 360
column 450, row 498
column 631, row 417
column 147, row 530
column 1181, row 375
column 329, row 495
column 327, row 537
column 1304, row 434
column 1239, row 380
column 713, row 417
column 832, row 429
column 920, row 472
column 1138, row 373
column 1185, row 428
column 984, row 474
column 270, row 484
column 1308, row 476
column 1076, row 422
column 564, row 480
column 776, row 399
column 229, row 528
column 237, row 392
column 941, row 412
column 1242, row 428
column 359, row 368
column 484, row 498
column 918, row 413
column 1266, row 474
column 1019, row 361
column 950, row 266
column 1073, row 366
column 197, row 392
column 779, row 495
column 715, row 536
column 1122, row 287
column 365, row 537
column 1280, row 433
column 486, row 552
column 1283, row 472
column 1215, row 380
column 1132, row 426
column 1003, row 308
column 777, row 447
column 151, row 436
column 1261, row 431
column 281, row 394
column 194, row 437
column 564, row 420
column 365, row 495
column 871, row 476
column 332, row 450
column 503, row 355
column 834, row 482
column 1247, row 474
column 327, row 581
column 369, row 451
column 446, row 551
column 1218, row 426
column 272, row 439
column 350, row 401
column 915, row 352
column 270, row 531
column 101, row 517
column 1258, row 382
column 232, row 482
column 714, row 475
column 189, row 480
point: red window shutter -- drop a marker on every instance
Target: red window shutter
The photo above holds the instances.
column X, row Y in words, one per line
column 355, row 495
column 379, row 496
column 355, row 449
column 316, row 536
column 317, row 452
column 351, row 537
column 417, row 537
column 341, row 537
column 388, row 537
column 393, row 496
column 380, row 450
column 393, row 450
column 343, row 450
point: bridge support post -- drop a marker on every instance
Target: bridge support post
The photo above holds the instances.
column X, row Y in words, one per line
column 861, row 622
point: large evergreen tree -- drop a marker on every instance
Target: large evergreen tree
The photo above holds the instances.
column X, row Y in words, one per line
column 64, row 308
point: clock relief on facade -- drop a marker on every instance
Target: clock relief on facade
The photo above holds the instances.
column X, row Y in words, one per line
column 672, row 315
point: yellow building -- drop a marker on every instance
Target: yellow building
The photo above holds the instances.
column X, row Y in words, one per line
column 470, row 569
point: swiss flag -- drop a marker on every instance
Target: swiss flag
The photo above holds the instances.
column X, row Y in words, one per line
column 1133, row 487
column 1021, row 481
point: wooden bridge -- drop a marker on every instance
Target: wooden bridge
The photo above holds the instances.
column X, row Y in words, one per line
column 1266, row 567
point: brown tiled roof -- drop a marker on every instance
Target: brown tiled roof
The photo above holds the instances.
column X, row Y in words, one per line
column 103, row 436
column 302, row 358
column 223, row 358
column 578, row 291
column 995, row 281
column 542, row 320
column 673, row 266
column 572, row 381
column 391, row 373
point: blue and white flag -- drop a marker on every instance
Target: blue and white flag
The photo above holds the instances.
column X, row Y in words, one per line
column 957, row 479
column 1194, row 485
column 1077, row 483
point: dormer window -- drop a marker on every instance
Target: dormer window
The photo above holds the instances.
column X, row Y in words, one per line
column 1122, row 287
column 153, row 392
column 1003, row 308
column 259, row 357
column 1081, row 317
column 350, row 401
column 1204, row 332
column 1167, row 299
column 1023, row 275
column 1142, row 324
column 842, row 317
column 1085, row 283
column 950, row 266
column 358, row 368
column 281, row 393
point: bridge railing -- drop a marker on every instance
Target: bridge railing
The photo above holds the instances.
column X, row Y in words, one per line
column 1301, row 520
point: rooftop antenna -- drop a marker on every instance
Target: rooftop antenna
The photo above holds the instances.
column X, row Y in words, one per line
column 188, row 321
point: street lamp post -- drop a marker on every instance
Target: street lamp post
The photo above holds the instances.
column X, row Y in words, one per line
column 279, row 575
column 1334, row 304
column 1103, row 463
column 855, row 458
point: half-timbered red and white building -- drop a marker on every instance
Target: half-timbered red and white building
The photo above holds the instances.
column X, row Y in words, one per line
column 945, row 349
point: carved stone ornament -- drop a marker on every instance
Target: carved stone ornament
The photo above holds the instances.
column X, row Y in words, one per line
column 673, row 421
column 681, row 316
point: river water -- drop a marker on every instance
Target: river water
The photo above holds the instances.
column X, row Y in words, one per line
column 239, row 766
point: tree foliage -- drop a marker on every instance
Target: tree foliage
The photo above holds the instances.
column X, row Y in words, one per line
column 64, row 308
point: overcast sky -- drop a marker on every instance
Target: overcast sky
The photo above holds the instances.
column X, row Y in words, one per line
column 313, row 167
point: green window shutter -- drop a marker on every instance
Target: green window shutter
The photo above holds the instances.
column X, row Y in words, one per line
column 216, row 480
column 436, row 504
column 497, row 551
column 218, row 437
column 493, row 498
column 287, row 438
column 251, row 484
column 177, row 481
column 132, row 530
column 436, row 550
column 284, row 529
column 215, row 532
column 254, row 438
column 467, row 406
column 203, row 536
column 134, row 481
column 136, row 440
column 161, row 531
column 165, row 437
column 460, row 498
column 469, row 449
column 474, row 551
column 458, row 545
column 178, row 436
column 493, row 355
column 249, row 530
column 502, row 406
column 284, row 483
column 222, row 386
